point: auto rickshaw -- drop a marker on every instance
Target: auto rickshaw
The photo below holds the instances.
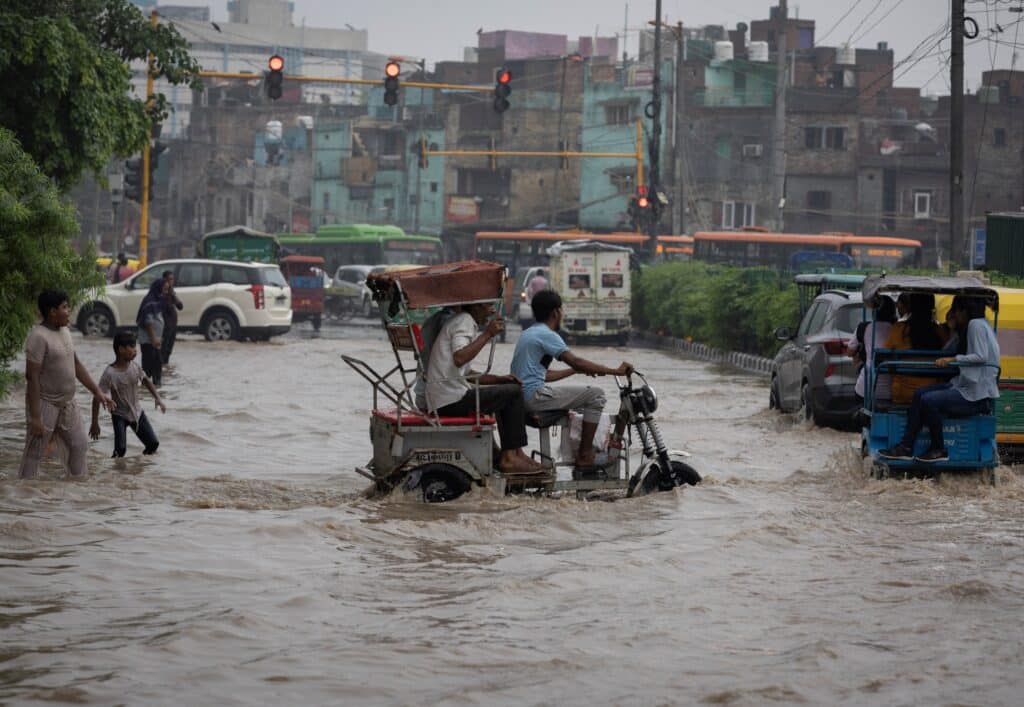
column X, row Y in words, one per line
column 303, row 273
column 971, row 441
column 441, row 458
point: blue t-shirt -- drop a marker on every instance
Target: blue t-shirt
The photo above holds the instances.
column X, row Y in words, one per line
column 536, row 349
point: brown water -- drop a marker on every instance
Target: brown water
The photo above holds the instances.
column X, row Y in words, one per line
column 241, row 565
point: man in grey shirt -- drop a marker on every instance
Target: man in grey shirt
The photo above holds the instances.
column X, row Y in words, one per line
column 969, row 393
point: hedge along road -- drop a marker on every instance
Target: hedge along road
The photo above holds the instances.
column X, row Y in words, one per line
column 241, row 565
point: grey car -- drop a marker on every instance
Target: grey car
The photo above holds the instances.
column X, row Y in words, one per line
column 812, row 373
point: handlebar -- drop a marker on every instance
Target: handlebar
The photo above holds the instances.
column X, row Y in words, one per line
column 629, row 379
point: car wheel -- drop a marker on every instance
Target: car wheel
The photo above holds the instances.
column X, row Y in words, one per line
column 97, row 320
column 220, row 326
column 774, row 401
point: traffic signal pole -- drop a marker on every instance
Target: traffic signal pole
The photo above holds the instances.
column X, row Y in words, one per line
column 144, row 211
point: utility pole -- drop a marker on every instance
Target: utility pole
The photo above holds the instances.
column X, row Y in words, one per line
column 144, row 211
column 779, row 137
column 653, row 111
column 678, row 139
column 956, row 136
column 419, row 162
column 560, row 147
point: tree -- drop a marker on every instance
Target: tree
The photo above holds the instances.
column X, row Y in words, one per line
column 65, row 80
column 35, row 251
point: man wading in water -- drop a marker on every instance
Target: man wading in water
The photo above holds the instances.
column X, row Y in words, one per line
column 51, row 367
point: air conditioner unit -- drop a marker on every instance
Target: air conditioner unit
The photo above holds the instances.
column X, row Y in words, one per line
column 754, row 150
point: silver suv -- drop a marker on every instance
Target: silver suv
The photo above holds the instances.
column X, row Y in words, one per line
column 223, row 300
column 812, row 373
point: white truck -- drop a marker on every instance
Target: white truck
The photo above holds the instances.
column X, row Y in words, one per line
column 593, row 280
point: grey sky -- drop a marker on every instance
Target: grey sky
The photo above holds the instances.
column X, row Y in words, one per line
column 440, row 30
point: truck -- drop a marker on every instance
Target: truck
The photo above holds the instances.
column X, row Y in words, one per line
column 593, row 280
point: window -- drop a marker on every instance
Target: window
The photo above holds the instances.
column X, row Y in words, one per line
column 194, row 275
column 618, row 115
column 147, row 277
column 433, row 187
column 819, row 200
column 723, row 147
column 817, row 320
column 736, row 214
column 233, row 275
column 327, row 201
column 272, row 276
column 922, row 204
column 999, row 137
column 817, row 137
column 812, row 314
column 739, row 81
column 622, row 182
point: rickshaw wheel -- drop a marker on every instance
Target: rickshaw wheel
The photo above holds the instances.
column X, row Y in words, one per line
column 441, row 483
column 655, row 481
column 317, row 321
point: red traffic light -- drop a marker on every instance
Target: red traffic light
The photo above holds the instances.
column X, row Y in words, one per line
column 392, row 69
column 276, row 63
column 641, row 190
column 504, row 76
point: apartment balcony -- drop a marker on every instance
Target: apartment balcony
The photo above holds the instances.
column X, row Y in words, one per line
column 732, row 98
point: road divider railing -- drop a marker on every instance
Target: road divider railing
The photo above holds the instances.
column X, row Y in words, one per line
column 749, row 363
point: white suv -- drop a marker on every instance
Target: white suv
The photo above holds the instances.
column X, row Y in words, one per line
column 223, row 300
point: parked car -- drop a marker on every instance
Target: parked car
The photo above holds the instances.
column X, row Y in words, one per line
column 524, row 310
column 812, row 373
column 223, row 300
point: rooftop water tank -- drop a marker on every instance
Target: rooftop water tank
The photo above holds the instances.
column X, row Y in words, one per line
column 723, row 51
column 758, row 51
column 846, row 55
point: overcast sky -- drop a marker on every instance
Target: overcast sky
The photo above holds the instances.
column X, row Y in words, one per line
column 440, row 30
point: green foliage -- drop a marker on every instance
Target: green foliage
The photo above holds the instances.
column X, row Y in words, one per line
column 65, row 80
column 728, row 308
column 35, row 252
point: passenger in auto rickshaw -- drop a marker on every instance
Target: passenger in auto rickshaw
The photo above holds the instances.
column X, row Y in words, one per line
column 969, row 393
column 449, row 392
column 917, row 332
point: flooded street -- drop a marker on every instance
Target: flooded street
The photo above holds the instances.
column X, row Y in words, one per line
column 242, row 565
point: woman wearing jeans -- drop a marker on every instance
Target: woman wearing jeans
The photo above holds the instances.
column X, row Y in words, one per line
column 969, row 393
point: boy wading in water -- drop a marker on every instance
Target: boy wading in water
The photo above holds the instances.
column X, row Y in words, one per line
column 121, row 379
column 51, row 368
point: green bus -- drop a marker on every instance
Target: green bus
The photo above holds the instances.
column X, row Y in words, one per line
column 239, row 243
column 363, row 244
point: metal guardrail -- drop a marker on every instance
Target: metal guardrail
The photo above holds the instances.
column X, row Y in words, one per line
column 758, row 365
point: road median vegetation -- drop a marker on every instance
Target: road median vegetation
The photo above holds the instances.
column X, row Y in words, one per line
column 734, row 309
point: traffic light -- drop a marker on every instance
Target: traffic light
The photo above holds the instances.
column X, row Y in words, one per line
column 157, row 149
column 274, row 77
column 642, row 202
column 640, row 209
column 502, row 89
column 391, row 71
column 133, row 179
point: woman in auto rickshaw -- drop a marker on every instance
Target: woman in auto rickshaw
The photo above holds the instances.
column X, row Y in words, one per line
column 970, row 392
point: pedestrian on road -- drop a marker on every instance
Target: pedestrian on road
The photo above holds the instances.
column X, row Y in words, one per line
column 172, row 305
column 121, row 380
column 120, row 270
column 51, row 367
column 150, row 321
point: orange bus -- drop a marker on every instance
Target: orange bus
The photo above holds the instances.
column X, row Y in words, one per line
column 791, row 251
column 675, row 247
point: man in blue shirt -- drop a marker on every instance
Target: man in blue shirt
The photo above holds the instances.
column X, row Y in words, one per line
column 969, row 393
column 536, row 349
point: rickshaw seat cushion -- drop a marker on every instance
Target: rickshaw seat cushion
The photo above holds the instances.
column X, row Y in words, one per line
column 545, row 418
column 416, row 419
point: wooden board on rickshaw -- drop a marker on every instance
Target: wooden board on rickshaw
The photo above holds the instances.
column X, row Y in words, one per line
column 461, row 282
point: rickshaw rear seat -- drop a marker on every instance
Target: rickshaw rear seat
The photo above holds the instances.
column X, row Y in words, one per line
column 404, row 336
column 415, row 419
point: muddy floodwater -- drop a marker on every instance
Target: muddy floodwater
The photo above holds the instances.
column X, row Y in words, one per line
column 241, row 565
